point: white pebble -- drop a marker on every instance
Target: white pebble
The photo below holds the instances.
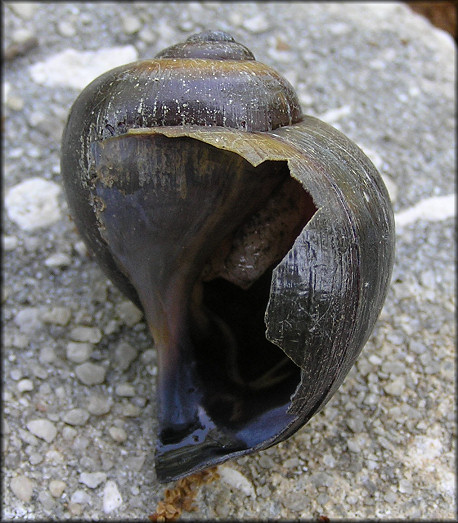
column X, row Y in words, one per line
column 76, row 69
column 129, row 313
column 57, row 487
column 405, row 486
column 80, row 497
column 131, row 24
column 124, row 355
column 395, row 387
column 90, row 334
column 147, row 36
column 57, row 316
column 125, row 389
column 130, row 410
column 90, row 373
column 432, row 209
column 47, row 355
column 25, row 385
column 391, row 187
column 22, row 488
column 78, row 352
column 28, row 320
column 111, row 497
column 54, row 456
column 256, row 24
column 65, row 28
column 118, row 434
column 76, row 416
column 46, row 500
column 10, row 243
column 92, row 479
column 135, row 463
column 22, row 35
column 16, row 374
column 99, row 405
column 80, row 248
column 35, row 458
column 69, row 433
column 33, row 203
column 58, row 259
column 237, row 480
column 334, row 115
column 75, row 508
column 15, row 103
column 24, row 10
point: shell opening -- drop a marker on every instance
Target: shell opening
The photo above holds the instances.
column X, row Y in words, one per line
column 198, row 231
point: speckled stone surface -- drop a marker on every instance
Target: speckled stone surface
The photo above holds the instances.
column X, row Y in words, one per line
column 79, row 367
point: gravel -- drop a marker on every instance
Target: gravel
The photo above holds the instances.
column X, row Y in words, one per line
column 90, row 373
column 79, row 364
column 42, row 428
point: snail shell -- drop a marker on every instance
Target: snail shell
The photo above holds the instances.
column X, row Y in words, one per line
column 258, row 241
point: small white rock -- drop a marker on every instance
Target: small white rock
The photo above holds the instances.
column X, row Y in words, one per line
column 129, row 313
column 92, row 479
column 147, row 36
column 80, row 497
column 33, row 203
column 125, row 389
column 334, row 115
column 69, row 433
column 25, row 385
column 78, row 352
column 135, row 463
column 435, row 208
column 90, row 334
column 81, row 249
column 118, row 434
column 22, row 488
column 235, row 479
column 391, row 187
column 65, row 28
column 15, row 103
column 16, row 374
column 90, row 373
column 99, row 405
column 57, row 487
column 57, row 316
column 46, row 500
column 111, row 497
column 395, row 387
column 76, row 69
column 131, row 24
column 256, row 24
column 59, row 259
column 124, row 355
column 47, row 355
column 28, row 320
column 131, row 411
column 10, row 243
column 24, row 10
column 76, row 416
column 75, row 508
column 22, row 35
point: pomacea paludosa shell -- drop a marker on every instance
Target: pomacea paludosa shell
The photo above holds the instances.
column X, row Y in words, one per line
column 258, row 241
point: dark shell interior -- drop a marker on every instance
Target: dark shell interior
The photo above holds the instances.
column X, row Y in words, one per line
column 198, row 231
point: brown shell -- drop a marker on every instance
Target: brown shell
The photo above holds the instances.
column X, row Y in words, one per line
column 237, row 241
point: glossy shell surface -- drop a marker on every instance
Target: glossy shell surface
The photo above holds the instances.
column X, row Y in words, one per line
column 184, row 174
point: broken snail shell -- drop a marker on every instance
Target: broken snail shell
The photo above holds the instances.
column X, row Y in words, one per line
column 257, row 240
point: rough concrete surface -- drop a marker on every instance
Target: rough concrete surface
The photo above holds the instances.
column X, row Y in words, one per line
column 79, row 367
